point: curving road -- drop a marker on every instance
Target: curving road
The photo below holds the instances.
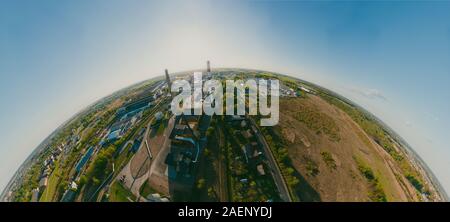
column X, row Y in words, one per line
column 275, row 169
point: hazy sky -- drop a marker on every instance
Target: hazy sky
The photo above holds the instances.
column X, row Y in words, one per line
column 57, row 57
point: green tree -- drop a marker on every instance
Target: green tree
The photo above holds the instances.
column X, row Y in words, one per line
column 200, row 183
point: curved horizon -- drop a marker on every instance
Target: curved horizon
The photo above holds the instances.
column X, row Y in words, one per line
column 389, row 57
column 417, row 157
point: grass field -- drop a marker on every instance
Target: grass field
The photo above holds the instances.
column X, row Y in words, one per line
column 118, row 193
column 146, row 189
column 53, row 182
column 124, row 157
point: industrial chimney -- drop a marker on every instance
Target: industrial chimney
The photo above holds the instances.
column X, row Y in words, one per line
column 168, row 79
column 169, row 84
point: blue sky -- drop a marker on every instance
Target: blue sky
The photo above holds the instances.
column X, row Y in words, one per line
column 56, row 57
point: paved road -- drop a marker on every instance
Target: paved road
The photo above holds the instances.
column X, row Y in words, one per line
column 275, row 169
column 129, row 181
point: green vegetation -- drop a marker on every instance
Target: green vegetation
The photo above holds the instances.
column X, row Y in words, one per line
column 278, row 147
column 249, row 191
column 101, row 166
column 146, row 189
column 53, row 181
column 159, row 125
column 328, row 159
column 89, row 125
column 31, row 180
column 415, row 182
column 212, row 193
column 376, row 192
column 124, row 157
column 318, row 122
column 368, row 124
column 209, row 175
column 200, row 183
column 118, row 193
column 311, row 167
column 161, row 128
column 379, row 135
column 245, row 184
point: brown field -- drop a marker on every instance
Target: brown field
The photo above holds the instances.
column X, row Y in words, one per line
column 325, row 146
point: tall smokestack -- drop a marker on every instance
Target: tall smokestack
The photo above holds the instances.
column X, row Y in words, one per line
column 208, row 67
column 169, row 84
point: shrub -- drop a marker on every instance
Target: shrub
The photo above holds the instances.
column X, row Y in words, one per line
column 328, row 159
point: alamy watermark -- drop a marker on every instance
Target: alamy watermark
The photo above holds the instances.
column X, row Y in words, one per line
column 207, row 98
